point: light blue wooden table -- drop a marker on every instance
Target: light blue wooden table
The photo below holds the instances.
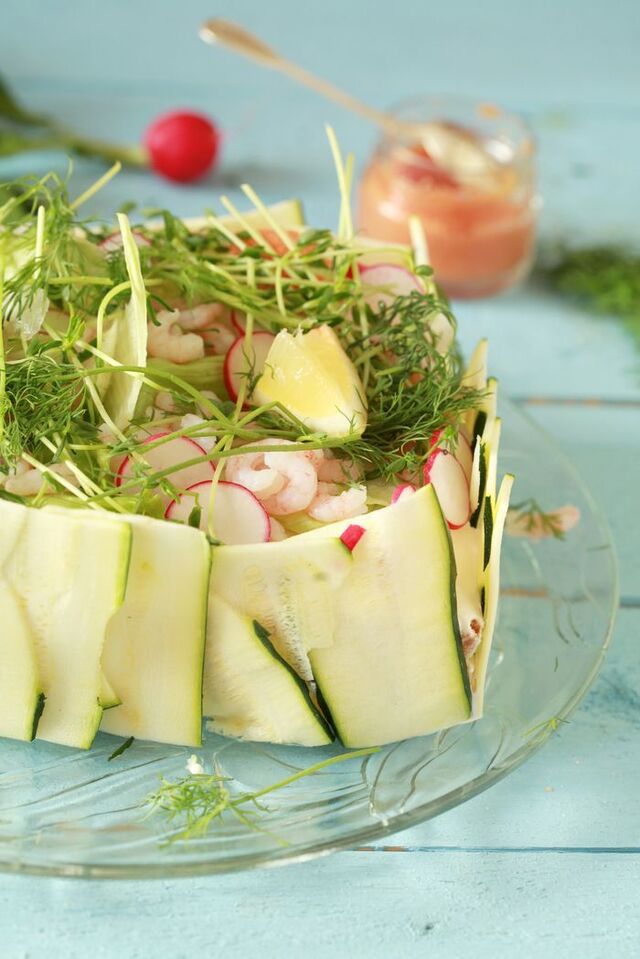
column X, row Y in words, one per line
column 547, row 863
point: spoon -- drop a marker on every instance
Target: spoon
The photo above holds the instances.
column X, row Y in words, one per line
column 452, row 148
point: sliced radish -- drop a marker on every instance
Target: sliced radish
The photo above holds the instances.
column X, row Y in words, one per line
column 447, row 477
column 239, row 517
column 402, row 491
column 168, row 455
column 114, row 241
column 245, row 360
column 461, row 451
column 434, row 439
column 400, row 281
column 237, row 322
column 352, row 536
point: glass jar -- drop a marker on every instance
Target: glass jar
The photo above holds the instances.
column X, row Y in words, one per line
column 480, row 230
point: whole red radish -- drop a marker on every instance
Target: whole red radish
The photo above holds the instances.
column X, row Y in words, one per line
column 182, row 145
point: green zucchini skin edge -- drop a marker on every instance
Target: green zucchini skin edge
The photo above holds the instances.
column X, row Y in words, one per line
column 205, row 622
column 262, row 635
column 324, row 707
column 455, row 627
column 479, row 424
column 488, row 531
column 37, row 715
column 483, row 482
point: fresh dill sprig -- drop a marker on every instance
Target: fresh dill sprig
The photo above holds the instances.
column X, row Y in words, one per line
column 52, row 384
column 534, row 519
column 194, row 802
column 414, row 389
column 42, row 395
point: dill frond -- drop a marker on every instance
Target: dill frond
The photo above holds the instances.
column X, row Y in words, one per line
column 192, row 804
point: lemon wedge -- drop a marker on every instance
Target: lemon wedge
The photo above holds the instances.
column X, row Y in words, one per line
column 312, row 377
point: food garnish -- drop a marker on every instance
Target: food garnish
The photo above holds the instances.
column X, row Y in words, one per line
column 248, row 457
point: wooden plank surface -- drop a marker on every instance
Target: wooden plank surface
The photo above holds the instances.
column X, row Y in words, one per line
column 439, row 904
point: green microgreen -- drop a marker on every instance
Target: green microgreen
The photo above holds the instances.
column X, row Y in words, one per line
column 53, row 406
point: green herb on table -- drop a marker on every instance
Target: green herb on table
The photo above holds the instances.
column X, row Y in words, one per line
column 606, row 279
column 196, row 801
column 122, row 748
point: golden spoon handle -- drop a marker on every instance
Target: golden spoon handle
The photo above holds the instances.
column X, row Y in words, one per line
column 240, row 41
column 455, row 151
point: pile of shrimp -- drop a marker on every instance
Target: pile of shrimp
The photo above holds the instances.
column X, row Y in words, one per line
column 312, row 482
column 186, row 335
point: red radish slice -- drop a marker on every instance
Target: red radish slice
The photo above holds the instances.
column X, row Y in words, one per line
column 401, row 282
column 245, row 359
column 462, row 451
column 434, row 439
column 114, row 241
column 402, row 491
column 447, row 477
column 352, row 536
column 178, row 450
column 237, row 322
column 240, row 518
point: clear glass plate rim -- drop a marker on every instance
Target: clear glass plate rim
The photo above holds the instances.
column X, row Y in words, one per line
column 398, row 822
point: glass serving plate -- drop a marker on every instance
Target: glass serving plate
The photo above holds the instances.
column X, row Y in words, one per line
column 70, row 813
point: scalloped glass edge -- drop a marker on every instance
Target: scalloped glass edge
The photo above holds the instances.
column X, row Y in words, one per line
column 397, row 822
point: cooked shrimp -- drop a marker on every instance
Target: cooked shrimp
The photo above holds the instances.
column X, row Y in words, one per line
column 286, row 482
column 249, row 470
column 206, row 442
column 471, row 639
column 168, row 341
column 211, row 321
column 202, row 317
column 330, row 504
column 27, row 481
column 279, row 479
column 333, row 470
column 164, row 401
column 219, row 340
column 299, row 482
column 315, row 457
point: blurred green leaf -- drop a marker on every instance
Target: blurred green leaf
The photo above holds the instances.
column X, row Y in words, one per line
column 10, row 109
